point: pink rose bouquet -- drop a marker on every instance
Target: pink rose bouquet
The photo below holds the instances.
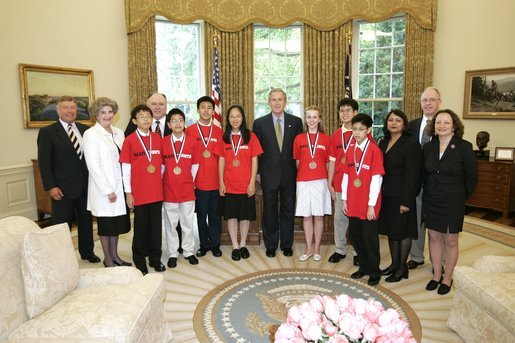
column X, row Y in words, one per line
column 343, row 320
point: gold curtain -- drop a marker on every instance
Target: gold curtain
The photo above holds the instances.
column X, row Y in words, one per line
column 418, row 65
column 235, row 60
column 234, row 15
column 142, row 63
column 324, row 70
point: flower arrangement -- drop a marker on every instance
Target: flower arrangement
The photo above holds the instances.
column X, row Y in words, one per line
column 343, row 320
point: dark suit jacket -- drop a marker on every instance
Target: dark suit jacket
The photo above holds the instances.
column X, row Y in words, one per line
column 59, row 164
column 402, row 165
column 131, row 127
column 276, row 166
column 414, row 128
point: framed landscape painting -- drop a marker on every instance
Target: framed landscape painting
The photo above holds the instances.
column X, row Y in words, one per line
column 490, row 94
column 42, row 86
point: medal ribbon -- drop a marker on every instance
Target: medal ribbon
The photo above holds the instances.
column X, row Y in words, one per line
column 346, row 145
column 312, row 147
column 204, row 140
column 147, row 150
column 234, row 147
column 179, row 155
column 358, row 165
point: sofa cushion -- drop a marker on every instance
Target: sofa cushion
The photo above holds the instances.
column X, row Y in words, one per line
column 491, row 263
column 493, row 292
column 113, row 313
column 49, row 267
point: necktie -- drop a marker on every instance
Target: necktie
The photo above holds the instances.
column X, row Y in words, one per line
column 74, row 140
column 158, row 128
column 279, row 134
column 426, row 137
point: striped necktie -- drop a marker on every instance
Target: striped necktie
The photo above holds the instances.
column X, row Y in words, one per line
column 75, row 141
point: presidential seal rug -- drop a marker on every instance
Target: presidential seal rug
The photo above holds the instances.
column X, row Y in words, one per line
column 245, row 308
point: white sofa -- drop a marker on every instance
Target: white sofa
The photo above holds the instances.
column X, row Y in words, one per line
column 483, row 307
column 44, row 297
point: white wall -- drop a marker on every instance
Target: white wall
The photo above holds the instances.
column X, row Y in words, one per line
column 470, row 35
column 65, row 33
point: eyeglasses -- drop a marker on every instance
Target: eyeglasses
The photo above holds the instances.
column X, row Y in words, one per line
column 176, row 121
column 430, row 100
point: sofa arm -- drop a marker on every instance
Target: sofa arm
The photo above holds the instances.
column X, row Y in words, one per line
column 495, row 264
column 108, row 276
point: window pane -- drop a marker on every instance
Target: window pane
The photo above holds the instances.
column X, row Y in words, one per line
column 380, row 112
column 277, row 64
column 383, row 61
column 398, row 60
column 366, row 61
column 397, row 85
column 366, row 86
column 382, row 86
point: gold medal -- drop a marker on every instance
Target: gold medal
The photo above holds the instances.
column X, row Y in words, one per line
column 236, row 163
column 357, row 183
column 312, row 165
column 206, row 154
column 151, row 169
column 343, row 160
column 177, row 170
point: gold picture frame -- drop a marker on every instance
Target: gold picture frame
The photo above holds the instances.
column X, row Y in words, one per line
column 42, row 86
column 489, row 94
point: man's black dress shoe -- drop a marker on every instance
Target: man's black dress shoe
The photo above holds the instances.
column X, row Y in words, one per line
column 287, row 252
column 202, row 252
column 336, row 257
column 192, row 259
column 355, row 261
column 244, row 252
column 158, row 267
column 143, row 271
column 444, row 289
column 122, row 263
column 216, row 252
column 374, row 280
column 270, row 252
column 236, row 256
column 414, row 264
column 91, row 258
column 172, row 262
column 357, row 275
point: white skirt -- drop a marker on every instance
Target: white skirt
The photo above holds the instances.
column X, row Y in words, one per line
column 313, row 198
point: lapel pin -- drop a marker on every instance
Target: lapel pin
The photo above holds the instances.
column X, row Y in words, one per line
column 452, row 146
column 289, row 125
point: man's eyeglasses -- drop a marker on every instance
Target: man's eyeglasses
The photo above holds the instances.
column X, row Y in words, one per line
column 430, row 100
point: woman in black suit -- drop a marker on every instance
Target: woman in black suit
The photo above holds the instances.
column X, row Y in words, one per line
column 450, row 176
column 398, row 218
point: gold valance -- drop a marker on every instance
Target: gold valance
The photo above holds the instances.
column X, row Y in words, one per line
column 234, row 15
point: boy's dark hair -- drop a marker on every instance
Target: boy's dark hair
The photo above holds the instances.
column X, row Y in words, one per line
column 244, row 131
column 205, row 98
column 139, row 108
column 175, row 111
column 362, row 118
column 348, row 102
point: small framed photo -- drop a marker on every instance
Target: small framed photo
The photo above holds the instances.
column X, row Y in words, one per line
column 505, row 154
column 42, row 86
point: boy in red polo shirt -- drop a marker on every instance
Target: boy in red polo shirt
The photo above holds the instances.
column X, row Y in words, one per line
column 141, row 164
column 207, row 137
column 361, row 197
column 311, row 152
column 181, row 166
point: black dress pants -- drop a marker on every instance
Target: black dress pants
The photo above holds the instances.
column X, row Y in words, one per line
column 147, row 234
column 365, row 239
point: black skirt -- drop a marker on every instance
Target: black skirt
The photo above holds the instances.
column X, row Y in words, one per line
column 114, row 226
column 238, row 206
column 395, row 225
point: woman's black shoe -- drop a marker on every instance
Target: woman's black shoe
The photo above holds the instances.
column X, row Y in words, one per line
column 244, row 252
column 388, row 271
column 444, row 289
column 236, row 255
column 122, row 263
column 433, row 284
column 395, row 277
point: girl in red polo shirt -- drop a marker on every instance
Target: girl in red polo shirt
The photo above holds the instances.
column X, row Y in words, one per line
column 237, row 169
column 311, row 152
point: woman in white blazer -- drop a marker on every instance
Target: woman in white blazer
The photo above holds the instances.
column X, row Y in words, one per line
column 106, row 198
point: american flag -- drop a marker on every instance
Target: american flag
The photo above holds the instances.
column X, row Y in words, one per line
column 216, row 92
column 348, row 83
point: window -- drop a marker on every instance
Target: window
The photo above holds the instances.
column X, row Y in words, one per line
column 379, row 58
column 179, row 65
column 278, row 64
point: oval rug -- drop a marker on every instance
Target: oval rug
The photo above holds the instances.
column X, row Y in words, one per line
column 243, row 309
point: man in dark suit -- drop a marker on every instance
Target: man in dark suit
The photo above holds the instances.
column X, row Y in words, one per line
column 157, row 103
column 277, row 172
column 65, row 174
column 430, row 102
